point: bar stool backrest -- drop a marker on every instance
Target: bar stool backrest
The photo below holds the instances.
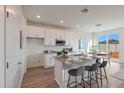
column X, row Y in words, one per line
column 98, row 60
column 80, row 71
column 104, row 64
column 94, row 67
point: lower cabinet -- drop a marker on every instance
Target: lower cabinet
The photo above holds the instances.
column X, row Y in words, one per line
column 48, row 60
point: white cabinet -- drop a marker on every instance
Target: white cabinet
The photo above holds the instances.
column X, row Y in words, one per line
column 36, row 32
column 69, row 38
column 76, row 41
column 60, row 34
column 50, row 37
column 48, row 60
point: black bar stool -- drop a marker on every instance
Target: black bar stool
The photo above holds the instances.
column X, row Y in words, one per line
column 76, row 72
column 103, row 75
column 92, row 74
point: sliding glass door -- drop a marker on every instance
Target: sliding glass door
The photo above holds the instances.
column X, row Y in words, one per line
column 102, row 43
column 109, row 43
column 113, row 45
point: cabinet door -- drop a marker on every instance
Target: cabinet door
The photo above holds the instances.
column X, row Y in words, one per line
column 40, row 32
column 60, row 34
column 47, row 37
column 31, row 32
column 69, row 38
column 49, row 60
column 75, row 42
column 50, row 36
column 36, row 32
column 1, row 46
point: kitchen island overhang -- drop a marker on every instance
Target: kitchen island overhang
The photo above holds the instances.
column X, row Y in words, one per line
column 63, row 64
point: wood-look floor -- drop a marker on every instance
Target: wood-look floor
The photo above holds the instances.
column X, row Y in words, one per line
column 39, row 77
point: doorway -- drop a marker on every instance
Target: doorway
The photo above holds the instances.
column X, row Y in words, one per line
column 34, row 52
column 109, row 43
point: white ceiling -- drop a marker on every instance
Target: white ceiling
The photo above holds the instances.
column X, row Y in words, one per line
column 110, row 17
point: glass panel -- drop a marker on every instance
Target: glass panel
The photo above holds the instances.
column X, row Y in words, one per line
column 113, row 39
column 113, row 45
column 102, row 43
column 84, row 44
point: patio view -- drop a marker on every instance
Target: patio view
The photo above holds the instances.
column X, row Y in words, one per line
column 109, row 43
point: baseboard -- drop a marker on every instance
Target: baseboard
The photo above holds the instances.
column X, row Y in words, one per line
column 57, row 82
column 21, row 81
column 61, row 85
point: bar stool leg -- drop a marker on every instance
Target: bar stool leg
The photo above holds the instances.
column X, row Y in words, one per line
column 68, row 81
column 75, row 81
column 105, row 75
column 82, row 80
column 92, row 73
column 109, row 61
column 90, row 78
column 96, row 79
column 101, row 76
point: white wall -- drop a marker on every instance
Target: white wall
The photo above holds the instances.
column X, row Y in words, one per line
column 121, row 45
column 22, row 55
column 1, row 46
column 121, row 42
column 34, row 52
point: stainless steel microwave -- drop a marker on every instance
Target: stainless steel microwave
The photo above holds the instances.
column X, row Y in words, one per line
column 60, row 42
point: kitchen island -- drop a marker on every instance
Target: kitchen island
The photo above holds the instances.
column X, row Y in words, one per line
column 63, row 64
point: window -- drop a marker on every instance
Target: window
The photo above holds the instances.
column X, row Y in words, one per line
column 85, row 44
column 102, row 43
column 109, row 43
column 113, row 39
column 113, row 45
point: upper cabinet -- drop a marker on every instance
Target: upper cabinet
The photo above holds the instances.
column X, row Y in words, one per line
column 69, row 38
column 60, row 34
column 50, row 37
column 36, row 32
column 52, row 34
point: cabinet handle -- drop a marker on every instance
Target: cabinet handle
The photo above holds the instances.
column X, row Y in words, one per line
column 7, row 14
column 7, row 65
column 19, row 63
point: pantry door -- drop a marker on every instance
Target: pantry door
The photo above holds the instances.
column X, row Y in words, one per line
column 1, row 46
column 12, row 45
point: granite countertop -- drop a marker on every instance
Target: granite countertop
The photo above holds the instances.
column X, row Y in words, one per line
column 75, row 60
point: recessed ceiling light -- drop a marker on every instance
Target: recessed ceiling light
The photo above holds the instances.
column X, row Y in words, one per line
column 38, row 16
column 61, row 21
column 78, row 25
column 97, row 25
